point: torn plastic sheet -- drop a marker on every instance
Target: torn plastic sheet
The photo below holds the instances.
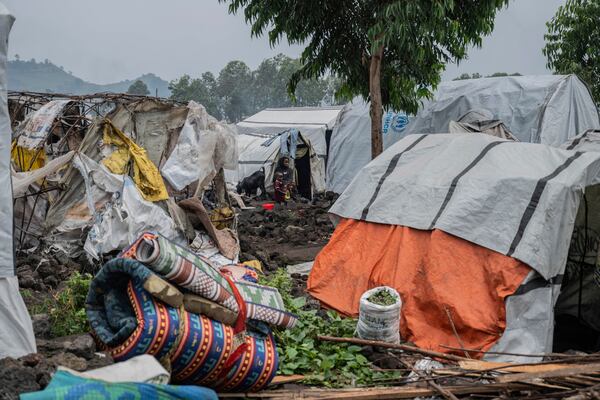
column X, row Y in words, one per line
column 34, row 129
column 204, row 147
column 124, row 219
column 204, row 246
column 22, row 180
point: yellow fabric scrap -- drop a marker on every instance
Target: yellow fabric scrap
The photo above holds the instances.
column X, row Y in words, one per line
column 221, row 217
column 254, row 264
column 22, row 157
column 145, row 174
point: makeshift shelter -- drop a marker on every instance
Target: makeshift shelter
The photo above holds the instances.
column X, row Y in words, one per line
column 472, row 230
column 260, row 151
column 350, row 145
column 137, row 160
column 16, row 332
column 548, row 109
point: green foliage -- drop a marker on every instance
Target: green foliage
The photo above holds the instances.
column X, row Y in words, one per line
column 66, row 308
column 323, row 363
column 239, row 92
column 573, row 41
column 417, row 38
column 202, row 90
column 138, row 87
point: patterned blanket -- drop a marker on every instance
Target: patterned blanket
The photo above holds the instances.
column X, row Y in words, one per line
column 196, row 274
column 129, row 322
column 66, row 386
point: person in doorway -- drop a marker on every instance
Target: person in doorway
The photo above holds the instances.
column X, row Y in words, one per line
column 287, row 173
column 280, row 194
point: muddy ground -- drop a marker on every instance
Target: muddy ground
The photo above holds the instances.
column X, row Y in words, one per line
column 289, row 234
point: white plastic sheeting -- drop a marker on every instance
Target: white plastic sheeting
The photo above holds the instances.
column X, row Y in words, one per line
column 519, row 199
column 350, row 146
column 16, row 332
column 22, row 180
column 35, row 128
column 125, row 216
column 548, row 109
column 204, row 147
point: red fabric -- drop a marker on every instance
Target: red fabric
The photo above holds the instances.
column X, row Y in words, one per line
column 432, row 270
column 280, row 190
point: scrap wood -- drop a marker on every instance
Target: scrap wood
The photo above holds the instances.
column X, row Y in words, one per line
column 397, row 392
column 488, row 366
column 503, row 353
column 557, row 373
column 281, row 379
column 434, row 385
column 458, row 339
column 404, row 347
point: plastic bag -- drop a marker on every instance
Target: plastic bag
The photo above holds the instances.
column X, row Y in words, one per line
column 379, row 322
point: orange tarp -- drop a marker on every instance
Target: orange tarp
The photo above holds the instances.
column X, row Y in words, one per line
column 433, row 272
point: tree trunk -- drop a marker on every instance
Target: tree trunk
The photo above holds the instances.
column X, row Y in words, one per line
column 376, row 102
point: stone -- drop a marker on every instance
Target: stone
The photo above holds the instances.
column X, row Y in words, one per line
column 70, row 360
column 41, row 325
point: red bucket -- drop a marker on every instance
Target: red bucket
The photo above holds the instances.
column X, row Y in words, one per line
column 268, row 206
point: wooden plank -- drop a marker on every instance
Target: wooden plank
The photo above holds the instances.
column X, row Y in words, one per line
column 557, row 373
column 281, row 379
column 476, row 365
column 399, row 392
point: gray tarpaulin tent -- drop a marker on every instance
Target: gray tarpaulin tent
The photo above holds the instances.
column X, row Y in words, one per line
column 16, row 332
column 350, row 146
column 548, row 109
column 518, row 199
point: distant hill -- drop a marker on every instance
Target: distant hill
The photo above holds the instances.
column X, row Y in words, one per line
column 47, row 77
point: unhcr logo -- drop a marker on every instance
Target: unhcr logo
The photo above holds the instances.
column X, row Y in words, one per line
column 395, row 121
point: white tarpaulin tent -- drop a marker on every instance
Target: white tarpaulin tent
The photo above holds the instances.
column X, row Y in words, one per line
column 263, row 151
column 518, row 199
column 16, row 331
column 548, row 109
column 350, row 146
column 312, row 122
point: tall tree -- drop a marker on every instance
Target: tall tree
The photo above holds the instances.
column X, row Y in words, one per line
column 202, row 90
column 138, row 87
column 233, row 85
column 573, row 42
column 391, row 52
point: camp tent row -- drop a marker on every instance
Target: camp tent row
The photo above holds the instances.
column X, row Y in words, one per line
column 549, row 109
column 484, row 235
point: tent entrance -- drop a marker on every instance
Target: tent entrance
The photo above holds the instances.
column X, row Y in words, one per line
column 577, row 320
column 302, row 165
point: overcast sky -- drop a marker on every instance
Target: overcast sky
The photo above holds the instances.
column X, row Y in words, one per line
column 111, row 40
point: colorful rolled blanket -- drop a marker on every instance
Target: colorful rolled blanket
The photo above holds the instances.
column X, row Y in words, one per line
column 130, row 321
column 196, row 274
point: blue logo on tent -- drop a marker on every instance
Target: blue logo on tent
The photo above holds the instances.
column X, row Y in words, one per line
column 396, row 122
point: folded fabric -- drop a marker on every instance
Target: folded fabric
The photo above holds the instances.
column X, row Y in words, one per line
column 194, row 273
column 129, row 321
column 66, row 386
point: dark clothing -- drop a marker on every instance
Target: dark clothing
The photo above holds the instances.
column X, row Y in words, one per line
column 286, row 172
